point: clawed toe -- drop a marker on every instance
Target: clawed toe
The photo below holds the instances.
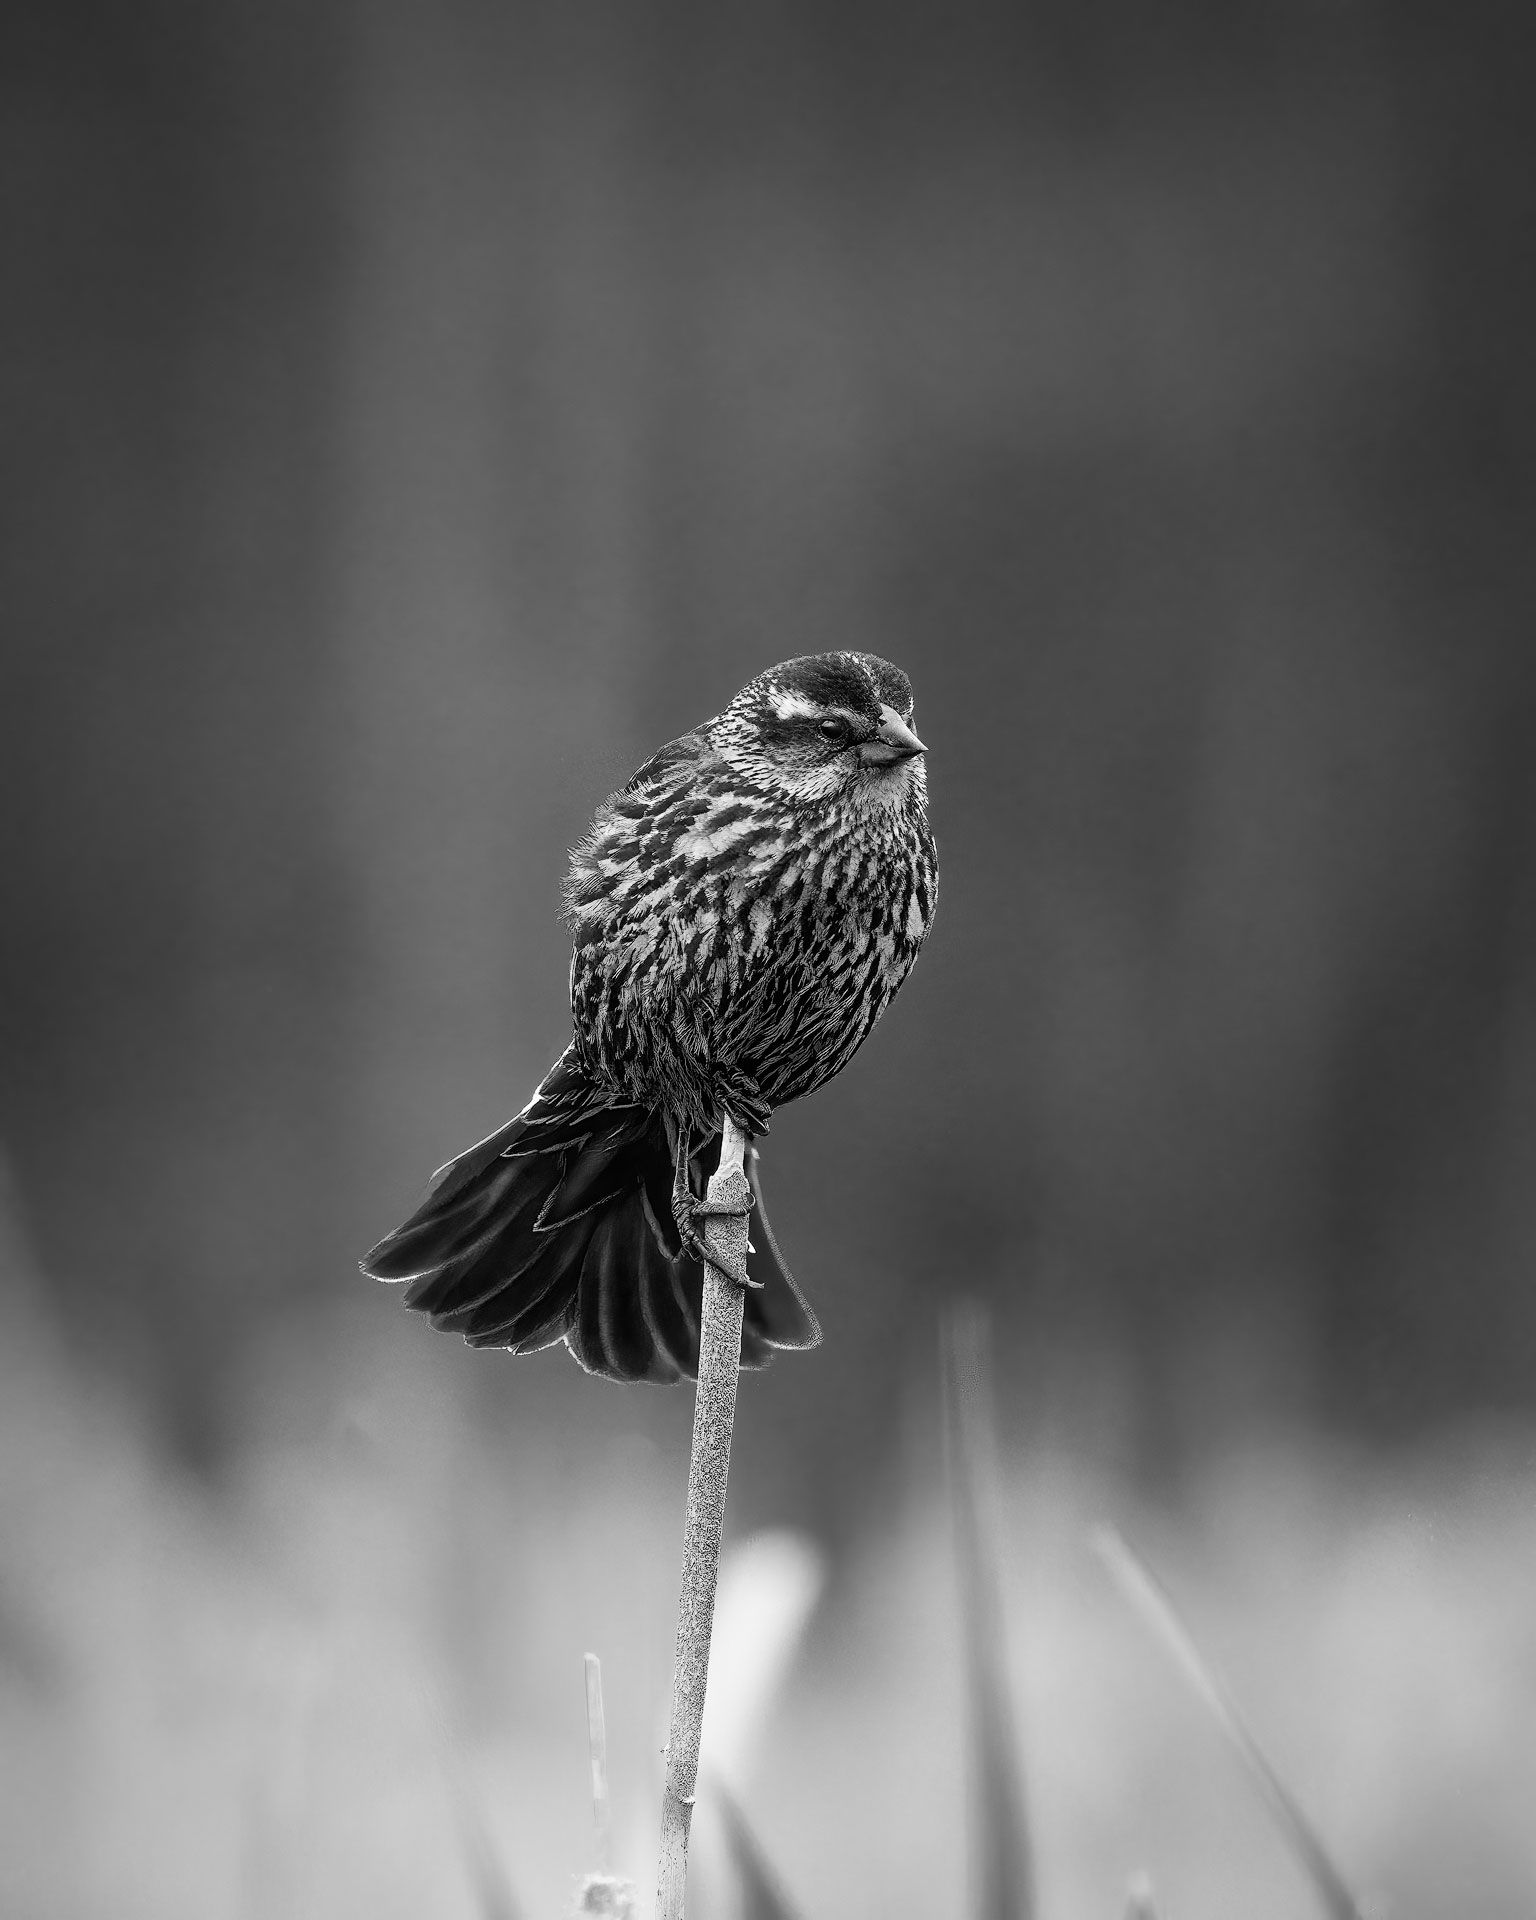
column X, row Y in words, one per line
column 733, row 1270
column 738, row 1094
column 688, row 1213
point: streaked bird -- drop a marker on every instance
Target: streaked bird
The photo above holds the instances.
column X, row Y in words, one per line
column 743, row 911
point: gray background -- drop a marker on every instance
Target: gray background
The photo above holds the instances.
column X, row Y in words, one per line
column 414, row 415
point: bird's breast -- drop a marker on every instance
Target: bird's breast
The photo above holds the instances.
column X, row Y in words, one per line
column 741, row 933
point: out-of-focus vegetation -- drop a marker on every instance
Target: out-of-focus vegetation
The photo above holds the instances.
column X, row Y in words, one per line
column 415, row 414
column 291, row 1695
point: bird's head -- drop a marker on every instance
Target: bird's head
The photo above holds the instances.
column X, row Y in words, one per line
column 826, row 727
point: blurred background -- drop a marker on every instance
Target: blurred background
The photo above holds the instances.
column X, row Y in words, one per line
column 416, row 414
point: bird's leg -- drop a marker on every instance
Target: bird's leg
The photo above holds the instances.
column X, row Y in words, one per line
column 688, row 1209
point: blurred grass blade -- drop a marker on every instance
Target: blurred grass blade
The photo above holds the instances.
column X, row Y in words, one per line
column 1150, row 1599
column 494, row 1898
column 1003, row 1878
column 1139, row 1904
column 762, row 1892
column 769, row 1585
column 597, row 1748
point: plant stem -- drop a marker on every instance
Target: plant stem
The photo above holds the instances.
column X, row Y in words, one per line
column 597, row 1751
column 714, row 1415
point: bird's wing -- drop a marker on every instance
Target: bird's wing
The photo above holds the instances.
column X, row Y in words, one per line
column 660, row 770
column 656, row 796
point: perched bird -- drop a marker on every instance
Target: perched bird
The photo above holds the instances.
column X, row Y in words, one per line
column 743, row 911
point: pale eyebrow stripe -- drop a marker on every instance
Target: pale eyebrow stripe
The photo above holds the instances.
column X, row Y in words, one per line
column 793, row 706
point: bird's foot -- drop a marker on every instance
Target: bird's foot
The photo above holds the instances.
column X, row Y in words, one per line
column 688, row 1211
column 738, row 1094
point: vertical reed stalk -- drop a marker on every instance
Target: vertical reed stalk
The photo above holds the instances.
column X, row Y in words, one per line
column 714, row 1415
column 597, row 1753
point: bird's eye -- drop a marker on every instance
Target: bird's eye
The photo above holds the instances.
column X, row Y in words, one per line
column 832, row 729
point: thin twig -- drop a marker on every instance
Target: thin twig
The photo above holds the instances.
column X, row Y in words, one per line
column 1004, row 1881
column 597, row 1748
column 714, row 1415
column 1150, row 1599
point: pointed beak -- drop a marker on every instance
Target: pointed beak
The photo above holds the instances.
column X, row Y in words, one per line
column 893, row 740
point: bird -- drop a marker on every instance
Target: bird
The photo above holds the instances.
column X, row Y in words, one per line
column 743, row 910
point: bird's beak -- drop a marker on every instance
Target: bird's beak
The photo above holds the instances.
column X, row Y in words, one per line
column 893, row 740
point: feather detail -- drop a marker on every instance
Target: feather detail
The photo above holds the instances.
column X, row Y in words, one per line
column 559, row 1225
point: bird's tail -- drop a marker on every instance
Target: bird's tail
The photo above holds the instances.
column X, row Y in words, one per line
column 560, row 1227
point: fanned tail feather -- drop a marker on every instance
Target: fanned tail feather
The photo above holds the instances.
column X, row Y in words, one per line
column 559, row 1226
